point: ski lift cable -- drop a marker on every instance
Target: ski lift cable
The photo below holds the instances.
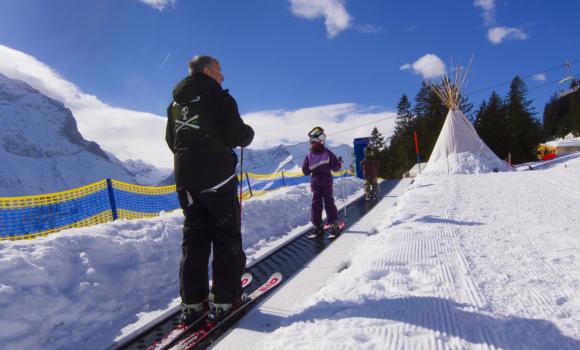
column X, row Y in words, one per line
column 526, row 77
column 544, row 85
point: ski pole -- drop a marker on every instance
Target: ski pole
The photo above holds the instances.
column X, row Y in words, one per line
column 343, row 193
column 241, row 178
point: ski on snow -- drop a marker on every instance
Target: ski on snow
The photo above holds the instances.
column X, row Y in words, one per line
column 331, row 235
column 176, row 333
column 341, row 225
column 196, row 337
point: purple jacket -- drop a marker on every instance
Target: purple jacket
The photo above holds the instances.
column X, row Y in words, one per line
column 319, row 164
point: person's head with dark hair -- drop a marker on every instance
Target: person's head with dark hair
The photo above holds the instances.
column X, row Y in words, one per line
column 207, row 65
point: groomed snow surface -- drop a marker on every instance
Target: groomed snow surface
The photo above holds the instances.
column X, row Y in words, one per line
column 483, row 261
column 489, row 261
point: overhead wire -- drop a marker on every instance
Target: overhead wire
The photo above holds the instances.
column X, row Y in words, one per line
column 526, row 77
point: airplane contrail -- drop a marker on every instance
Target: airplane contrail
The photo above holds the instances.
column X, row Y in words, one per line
column 165, row 60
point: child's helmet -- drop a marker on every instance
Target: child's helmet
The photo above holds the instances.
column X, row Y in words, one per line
column 317, row 135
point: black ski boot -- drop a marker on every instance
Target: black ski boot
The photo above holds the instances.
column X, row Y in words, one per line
column 218, row 311
column 317, row 231
column 190, row 313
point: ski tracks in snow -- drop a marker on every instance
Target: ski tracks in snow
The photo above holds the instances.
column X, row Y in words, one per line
column 462, row 270
column 511, row 258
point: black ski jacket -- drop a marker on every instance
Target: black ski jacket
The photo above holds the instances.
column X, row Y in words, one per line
column 203, row 127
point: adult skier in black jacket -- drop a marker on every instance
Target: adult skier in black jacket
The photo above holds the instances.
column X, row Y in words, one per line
column 203, row 127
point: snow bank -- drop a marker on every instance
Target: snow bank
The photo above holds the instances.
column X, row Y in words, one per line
column 466, row 163
column 78, row 288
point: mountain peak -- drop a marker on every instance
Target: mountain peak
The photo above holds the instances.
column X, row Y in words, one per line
column 41, row 148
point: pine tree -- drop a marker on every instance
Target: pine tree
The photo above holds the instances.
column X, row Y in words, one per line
column 404, row 116
column 397, row 158
column 430, row 115
column 491, row 124
column 562, row 115
column 403, row 148
column 523, row 128
column 575, row 112
column 467, row 107
column 550, row 120
column 377, row 140
column 481, row 120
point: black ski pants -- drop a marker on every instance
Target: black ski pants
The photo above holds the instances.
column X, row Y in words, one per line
column 212, row 220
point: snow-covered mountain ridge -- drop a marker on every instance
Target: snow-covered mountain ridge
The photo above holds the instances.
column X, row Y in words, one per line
column 41, row 149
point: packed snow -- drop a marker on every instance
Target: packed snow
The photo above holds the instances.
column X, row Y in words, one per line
column 485, row 261
column 84, row 288
column 481, row 261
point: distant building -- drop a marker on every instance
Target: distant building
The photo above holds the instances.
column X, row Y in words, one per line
column 569, row 144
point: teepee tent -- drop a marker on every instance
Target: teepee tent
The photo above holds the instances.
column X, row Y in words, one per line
column 458, row 149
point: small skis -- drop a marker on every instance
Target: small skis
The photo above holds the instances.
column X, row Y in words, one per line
column 334, row 233
column 179, row 330
column 196, row 337
column 371, row 197
column 327, row 226
column 313, row 234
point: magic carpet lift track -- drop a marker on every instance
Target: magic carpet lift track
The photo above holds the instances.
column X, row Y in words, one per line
column 287, row 259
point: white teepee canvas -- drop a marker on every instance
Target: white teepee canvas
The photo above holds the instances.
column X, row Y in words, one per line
column 459, row 150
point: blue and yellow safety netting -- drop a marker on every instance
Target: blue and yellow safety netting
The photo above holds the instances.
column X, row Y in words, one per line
column 33, row 216
column 260, row 184
column 103, row 201
column 133, row 201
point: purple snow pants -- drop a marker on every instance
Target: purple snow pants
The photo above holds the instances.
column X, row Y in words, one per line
column 322, row 191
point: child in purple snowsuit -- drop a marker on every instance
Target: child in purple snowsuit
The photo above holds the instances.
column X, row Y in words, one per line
column 318, row 163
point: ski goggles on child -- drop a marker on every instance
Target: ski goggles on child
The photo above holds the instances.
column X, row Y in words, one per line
column 317, row 135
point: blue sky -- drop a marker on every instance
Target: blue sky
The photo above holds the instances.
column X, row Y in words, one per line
column 288, row 55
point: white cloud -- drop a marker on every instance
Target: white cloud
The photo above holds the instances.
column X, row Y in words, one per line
column 292, row 126
column 159, row 4
column 429, row 66
column 127, row 134
column 488, row 10
column 138, row 135
column 336, row 18
column 540, row 77
column 497, row 35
